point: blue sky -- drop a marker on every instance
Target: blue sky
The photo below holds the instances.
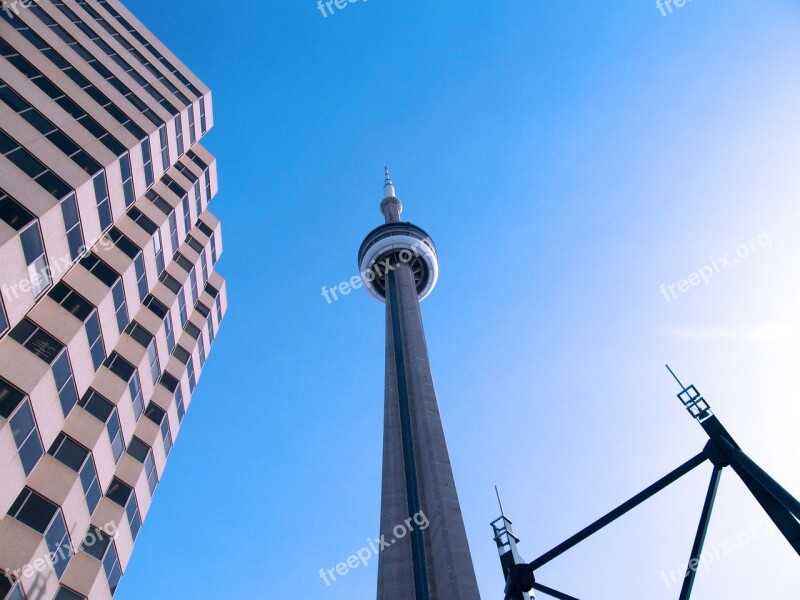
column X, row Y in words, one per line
column 568, row 159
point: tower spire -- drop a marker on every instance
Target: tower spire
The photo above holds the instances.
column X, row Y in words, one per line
column 391, row 207
column 388, row 186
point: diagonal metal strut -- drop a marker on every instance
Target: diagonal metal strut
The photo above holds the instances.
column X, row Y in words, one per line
column 648, row 492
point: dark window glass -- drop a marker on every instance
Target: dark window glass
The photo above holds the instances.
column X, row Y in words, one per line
column 99, row 269
column 120, row 306
column 127, row 179
column 141, row 277
column 67, row 594
column 162, row 134
column 179, row 134
column 65, row 383
column 155, row 305
column 205, row 228
column 72, row 225
column 181, row 354
column 192, row 330
column 169, row 382
column 147, row 159
column 15, row 407
column 103, row 204
column 38, row 341
column 169, row 281
column 142, row 220
column 123, row 242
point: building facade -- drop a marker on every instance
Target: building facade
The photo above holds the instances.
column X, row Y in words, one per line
column 110, row 297
column 400, row 268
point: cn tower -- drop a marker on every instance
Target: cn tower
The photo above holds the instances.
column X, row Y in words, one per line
column 400, row 267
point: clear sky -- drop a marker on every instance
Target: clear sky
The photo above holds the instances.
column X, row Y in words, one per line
column 568, row 158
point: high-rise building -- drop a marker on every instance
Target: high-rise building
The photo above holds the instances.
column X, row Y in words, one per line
column 426, row 555
column 110, row 298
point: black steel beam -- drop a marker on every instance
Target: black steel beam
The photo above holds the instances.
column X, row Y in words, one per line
column 659, row 485
column 700, row 538
column 788, row 501
column 551, row 592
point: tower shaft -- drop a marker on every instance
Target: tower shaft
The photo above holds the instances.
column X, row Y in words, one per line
column 418, row 488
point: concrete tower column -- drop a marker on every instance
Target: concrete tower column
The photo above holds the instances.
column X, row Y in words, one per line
column 418, row 489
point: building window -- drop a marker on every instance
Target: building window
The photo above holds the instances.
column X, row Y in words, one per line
column 171, row 283
column 99, row 269
column 147, row 159
column 202, row 348
column 85, row 312
column 120, row 306
column 105, row 412
column 141, row 276
column 3, row 317
column 159, row 202
column 182, row 354
column 182, row 307
column 127, row 372
column 96, row 346
column 103, row 204
column 202, row 116
column 207, row 178
column 202, row 309
column 67, row 594
column 38, row 341
column 187, row 218
column 210, row 321
column 192, row 134
column 169, row 332
column 123, row 242
column 183, row 262
column 46, row 518
column 65, row 382
column 32, row 166
column 194, row 244
column 159, row 250
column 190, row 372
column 142, row 220
column 16, row 409
column 173, row 231
column 162, row 134
column 11, row 589
column 193, row 281
column 33, row 250
column 127, row 179
column 146, row 340
column 144, row 454
column 157, row 415
column 20, row 219
column 179, row 134
column 72, row 225
column 198, row 205
column 80, row 460
column 123, row 494
column 192, row 330
column 179, row 403
column 204, row 267
column 99, row 545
